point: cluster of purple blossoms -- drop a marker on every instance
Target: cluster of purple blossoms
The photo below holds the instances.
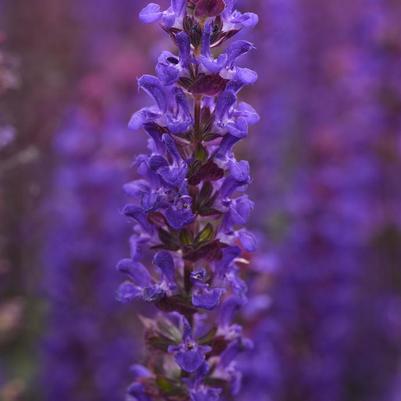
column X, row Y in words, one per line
column 76, row 362
column 189, row 206
column 85, row 238
column 333, row 330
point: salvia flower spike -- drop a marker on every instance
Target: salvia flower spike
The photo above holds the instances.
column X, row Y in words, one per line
column 189, row 205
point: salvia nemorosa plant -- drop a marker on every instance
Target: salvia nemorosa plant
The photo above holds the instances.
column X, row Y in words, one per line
column 189, row 206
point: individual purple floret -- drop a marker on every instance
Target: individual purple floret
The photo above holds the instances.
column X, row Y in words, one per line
column 189, row 205
column 189, row 355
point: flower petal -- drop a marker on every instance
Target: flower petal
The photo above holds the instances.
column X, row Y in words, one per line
column 237, row 49
column 127, row 292
column 153, row 293
column 191, row 360
column 153, row 87
column 229, row 254
column 179, row 218
column 246, row 111
column 173, row 176
column 164, row 261
column 206, row 298
column 248, row 240
column 204, row 393
column 139, row 215
column 151, row 13
column 143, row 116
column 136, row 271
column 223, row 104
column 184, row 46
column 179, row 7
column 167, row 68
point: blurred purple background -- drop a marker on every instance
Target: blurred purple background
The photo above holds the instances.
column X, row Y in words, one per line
column 326, row 162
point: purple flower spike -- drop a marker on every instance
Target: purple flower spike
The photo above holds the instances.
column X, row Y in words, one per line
column 188, row 204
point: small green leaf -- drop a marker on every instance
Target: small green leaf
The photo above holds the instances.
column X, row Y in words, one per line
column 206, row 234
column 165, row 385
column 168, row 330
column 169, row 387
column 200, row 153
column 205, row 193
column 186, row 237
